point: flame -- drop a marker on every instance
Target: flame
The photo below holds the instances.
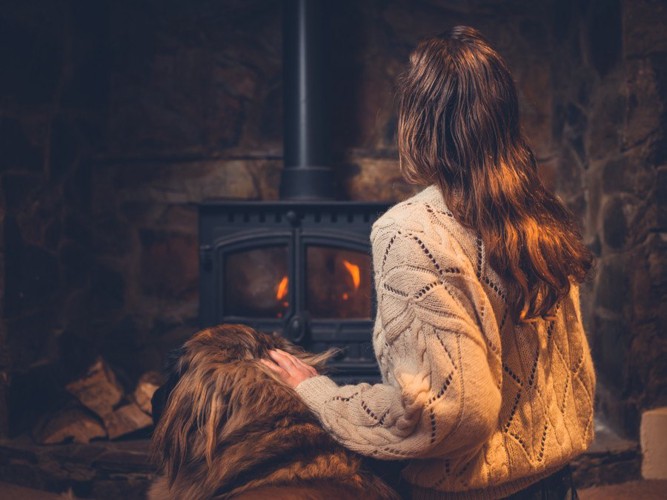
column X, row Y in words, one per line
column 281, row 293
column 354, row 273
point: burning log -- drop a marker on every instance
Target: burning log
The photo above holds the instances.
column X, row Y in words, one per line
column 71, row 423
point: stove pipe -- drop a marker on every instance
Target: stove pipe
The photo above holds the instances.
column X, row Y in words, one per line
column 307, row 174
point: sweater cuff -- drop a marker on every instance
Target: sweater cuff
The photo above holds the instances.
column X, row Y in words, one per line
column 314, row 391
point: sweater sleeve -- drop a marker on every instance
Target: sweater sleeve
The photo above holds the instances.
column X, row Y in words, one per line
column 440, row 395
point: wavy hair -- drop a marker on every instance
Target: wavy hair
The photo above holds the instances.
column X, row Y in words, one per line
column 458, row 127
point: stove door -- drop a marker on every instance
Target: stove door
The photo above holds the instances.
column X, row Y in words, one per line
column 338, row 304
column 254, row 284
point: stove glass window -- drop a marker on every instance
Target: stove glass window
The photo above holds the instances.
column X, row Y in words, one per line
column 338, row 283
column 256, row 283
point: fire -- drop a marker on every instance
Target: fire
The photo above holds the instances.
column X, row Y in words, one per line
column 281, row 293
column 354, row 273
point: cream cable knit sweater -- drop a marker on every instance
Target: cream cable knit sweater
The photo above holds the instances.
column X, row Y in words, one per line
column 482, row 406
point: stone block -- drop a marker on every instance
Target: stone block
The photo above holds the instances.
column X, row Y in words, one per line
column 375, row 179
column 169, row 263
column 603, row 25
column 657, row 266
column 18, row 150
column 653, row 433
column 188, row 182
column 616, row 176
column 77, row 186
column 614, row 224
column 661, row 186
column 612, row 285
column 643, row 297
column 64, row 147
column 180, row 218
column 33, row 35
column 112, row 237
column 611, row 344
column 32, row 277
column 645, row 104
column 606, row 117
column 18, row 188
column 179, row 105
column 75, row 261
column 548, row 173
column 108, row 289
column 568, row 177
column 644, row 27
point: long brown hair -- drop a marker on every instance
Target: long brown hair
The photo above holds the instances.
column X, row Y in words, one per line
column 459, row 128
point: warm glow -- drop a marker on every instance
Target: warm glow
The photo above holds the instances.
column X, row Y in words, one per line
column 354, row 273
column 282, row 288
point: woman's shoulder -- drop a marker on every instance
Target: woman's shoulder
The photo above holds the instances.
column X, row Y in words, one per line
column 412, row 214
column 424, row 213
column 426, row 217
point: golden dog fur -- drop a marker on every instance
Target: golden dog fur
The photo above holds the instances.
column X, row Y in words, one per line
column 232, row 429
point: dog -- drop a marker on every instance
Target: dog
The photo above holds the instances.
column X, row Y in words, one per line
column 230, row 428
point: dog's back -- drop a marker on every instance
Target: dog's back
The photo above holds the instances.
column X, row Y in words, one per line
column 231, row 429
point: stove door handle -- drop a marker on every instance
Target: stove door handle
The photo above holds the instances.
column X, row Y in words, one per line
column 296, row 328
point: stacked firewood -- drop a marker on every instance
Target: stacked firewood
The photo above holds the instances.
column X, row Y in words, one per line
column 102, row 409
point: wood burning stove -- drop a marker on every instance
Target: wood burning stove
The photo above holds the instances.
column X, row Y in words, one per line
column 300, row 266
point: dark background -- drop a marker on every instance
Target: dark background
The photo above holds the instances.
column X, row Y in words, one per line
column 117, row 118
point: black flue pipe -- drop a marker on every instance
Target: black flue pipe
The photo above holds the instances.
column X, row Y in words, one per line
column 307, row 173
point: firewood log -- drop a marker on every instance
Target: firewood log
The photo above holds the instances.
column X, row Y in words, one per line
column 98, row 390
column 126, row 419
column 70, row 423
column 148, row 383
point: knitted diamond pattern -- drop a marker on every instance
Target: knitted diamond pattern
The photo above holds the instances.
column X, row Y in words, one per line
column 482, row 406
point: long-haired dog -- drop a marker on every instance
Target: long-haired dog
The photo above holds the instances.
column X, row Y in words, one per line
column 230, row 428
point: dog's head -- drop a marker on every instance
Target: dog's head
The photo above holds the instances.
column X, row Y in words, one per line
column 219, row 390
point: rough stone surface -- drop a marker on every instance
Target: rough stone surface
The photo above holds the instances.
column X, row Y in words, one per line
column 616, row 132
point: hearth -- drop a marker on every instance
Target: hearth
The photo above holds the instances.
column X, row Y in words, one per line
column 300, row 266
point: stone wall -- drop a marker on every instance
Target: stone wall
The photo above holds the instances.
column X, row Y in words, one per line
column 609, row 77
column 118, row 118
column 52, row 101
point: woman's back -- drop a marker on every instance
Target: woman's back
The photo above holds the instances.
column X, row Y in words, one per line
column 542, row 369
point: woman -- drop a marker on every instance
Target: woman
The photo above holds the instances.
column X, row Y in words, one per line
column 487, row 377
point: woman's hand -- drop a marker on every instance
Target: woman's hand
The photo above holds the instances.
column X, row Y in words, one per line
column 290, row 369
